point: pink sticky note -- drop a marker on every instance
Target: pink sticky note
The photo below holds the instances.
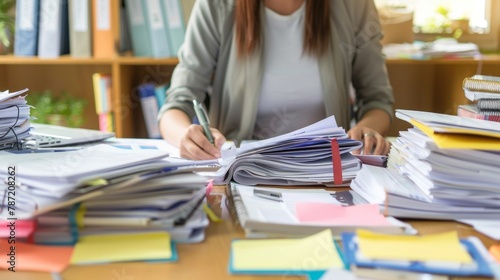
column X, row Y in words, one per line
column 331, row 214
column 20, row 228
column 32, row 257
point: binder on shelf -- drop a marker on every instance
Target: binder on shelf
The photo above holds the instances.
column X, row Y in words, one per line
column 79, row 28
column 125, row 43
column 103, row 29
column 26, row 35
column 138, row 29
column 150, row 109
column 54, row 32
column 174, row 21
column 155, row 23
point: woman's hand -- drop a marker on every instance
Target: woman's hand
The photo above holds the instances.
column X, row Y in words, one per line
column 195, row 145
column 373, row 142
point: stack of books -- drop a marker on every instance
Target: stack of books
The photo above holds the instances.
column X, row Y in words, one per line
column 14, row 119
column 484, row 91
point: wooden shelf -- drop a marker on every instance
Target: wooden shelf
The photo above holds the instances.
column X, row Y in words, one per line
column 68, row 60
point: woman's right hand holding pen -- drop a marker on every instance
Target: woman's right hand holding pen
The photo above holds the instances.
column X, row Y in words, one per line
column 177, row 129
column 195, row 145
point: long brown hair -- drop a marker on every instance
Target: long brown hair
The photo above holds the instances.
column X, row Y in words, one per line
column 248, row 26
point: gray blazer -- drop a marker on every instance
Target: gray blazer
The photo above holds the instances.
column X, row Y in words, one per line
column 208, row 63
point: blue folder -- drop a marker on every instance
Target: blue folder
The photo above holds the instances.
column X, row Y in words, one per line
column 26, row 36
column 481, row 268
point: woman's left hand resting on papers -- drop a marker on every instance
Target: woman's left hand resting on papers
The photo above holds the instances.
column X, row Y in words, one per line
column 369, row 130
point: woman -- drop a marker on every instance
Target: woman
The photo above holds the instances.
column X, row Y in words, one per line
column 272, row 66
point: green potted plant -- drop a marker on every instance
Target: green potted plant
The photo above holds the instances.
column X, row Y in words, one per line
column 7, row 24
column 62, row 109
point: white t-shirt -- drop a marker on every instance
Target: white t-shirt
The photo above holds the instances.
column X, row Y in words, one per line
column 291, row 94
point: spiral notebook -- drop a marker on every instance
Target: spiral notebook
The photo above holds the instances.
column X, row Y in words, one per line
column 481, row 86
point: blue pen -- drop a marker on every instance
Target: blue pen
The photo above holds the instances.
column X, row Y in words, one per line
column 203, row 119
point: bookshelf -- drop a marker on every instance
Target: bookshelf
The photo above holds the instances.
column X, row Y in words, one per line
column 74, row 75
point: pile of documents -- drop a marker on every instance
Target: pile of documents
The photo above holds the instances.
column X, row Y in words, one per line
column 446, row 167
column 104, row 189
column 316, row 154
column 441, row 48
column 14, row 119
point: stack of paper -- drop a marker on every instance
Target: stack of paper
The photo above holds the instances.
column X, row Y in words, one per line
column 170, row 203
column 104, row 189
column 14, row 119
column 316, row 154
column 445, row 168
column 438, row 49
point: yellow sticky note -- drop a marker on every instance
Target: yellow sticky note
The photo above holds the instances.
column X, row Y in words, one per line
column 315, row 252
column 444, row 247
column 122, row 247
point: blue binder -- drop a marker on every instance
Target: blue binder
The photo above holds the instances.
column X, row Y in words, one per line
column 174, row 21
column 26, row 36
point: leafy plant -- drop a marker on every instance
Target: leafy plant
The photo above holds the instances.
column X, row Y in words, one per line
column 62, row 109
column 7, row 21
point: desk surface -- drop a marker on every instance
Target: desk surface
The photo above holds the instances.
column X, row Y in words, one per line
column 206, row 260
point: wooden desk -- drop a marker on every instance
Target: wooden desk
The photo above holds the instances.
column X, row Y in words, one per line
column 206, row 260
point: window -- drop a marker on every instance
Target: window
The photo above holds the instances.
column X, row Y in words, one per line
column 466, row 20
column 448, row 16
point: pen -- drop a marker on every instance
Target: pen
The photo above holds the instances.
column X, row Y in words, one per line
column 272, row 195
column 203, row 119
